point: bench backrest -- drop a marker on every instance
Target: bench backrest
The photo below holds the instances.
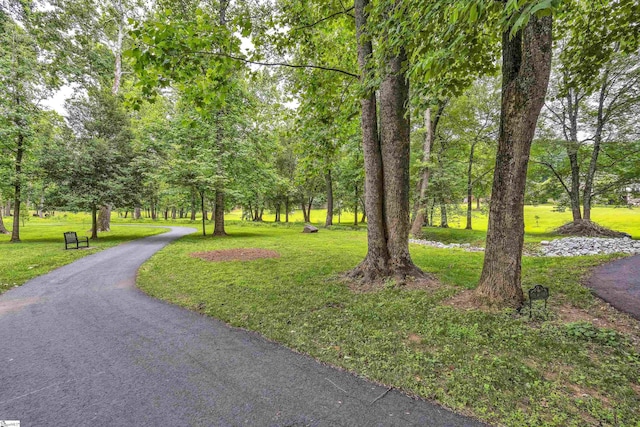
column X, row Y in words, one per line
column 70, row 237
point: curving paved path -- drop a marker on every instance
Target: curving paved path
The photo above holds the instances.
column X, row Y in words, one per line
column 81, row 346
column 618, row 283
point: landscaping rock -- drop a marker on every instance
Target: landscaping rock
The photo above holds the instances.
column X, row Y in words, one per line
column 579, row 246
column 310, row 229
column 466, row 246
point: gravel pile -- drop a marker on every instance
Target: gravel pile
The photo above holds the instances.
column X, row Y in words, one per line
column 466, row 246
column 577, row 246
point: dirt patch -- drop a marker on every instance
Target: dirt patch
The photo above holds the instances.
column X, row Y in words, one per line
column 238, row 254
column 602, row 315
column 17, row 304
column 586, row 228
column 428, row 283
column 467, row 300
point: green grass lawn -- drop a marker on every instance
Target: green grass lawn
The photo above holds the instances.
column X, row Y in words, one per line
column 579, row 366
column 499, row 367
column 42, row 247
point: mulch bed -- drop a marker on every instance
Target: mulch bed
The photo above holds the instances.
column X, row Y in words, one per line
column 586, row 228
column 238, row 254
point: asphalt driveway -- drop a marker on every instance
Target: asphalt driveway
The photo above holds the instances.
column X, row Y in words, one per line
column 81, row 346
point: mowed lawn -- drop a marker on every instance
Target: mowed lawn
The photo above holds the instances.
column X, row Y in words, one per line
column 563, row 368
column 42, row 247
column 578, row 364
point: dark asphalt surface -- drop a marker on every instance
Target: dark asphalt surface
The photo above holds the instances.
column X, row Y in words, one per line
column 618, row 283
column 81, row 346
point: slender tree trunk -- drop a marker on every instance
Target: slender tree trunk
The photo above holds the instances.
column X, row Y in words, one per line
column 470, row 187
column 173, row 213
column 204, row 232
column 444, row 222
column 3, row 229
column 525, row 77
column 218, row 229
column 597, row 141
column 126, row 214
column 477, row 203
column 419, row 214
column 572, row 152
column 193, row 206
column 17, row 187
column 166, row 214
column 286, row 210
column 355, row 208
column 94, row 223
column 41, row 206
column 329, row 220
column 278, row 207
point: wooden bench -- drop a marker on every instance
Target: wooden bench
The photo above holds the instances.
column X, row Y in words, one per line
column 71, row 238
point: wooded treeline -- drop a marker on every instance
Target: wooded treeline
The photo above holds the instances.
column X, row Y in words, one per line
column 397, row 111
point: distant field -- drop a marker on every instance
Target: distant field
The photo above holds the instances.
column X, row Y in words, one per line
column 621, row 219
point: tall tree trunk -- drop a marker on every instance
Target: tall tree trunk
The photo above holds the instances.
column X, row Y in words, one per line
column 3, row 229
column 173, row 213
column 136, row 212
column 94, row 223
column 526, row 64
column 597, row 141
column 395, row 142
column 17, row 187
column 420, row 208
column 423, row 182
column 470, row 187
column 573, row 106
column 41, row 206
column 329, row 220
column 218, row 229
column 204, row 232
column 286, row 210
column 278, row 208
column 376, row 262
column 193, row 205
column 355, row 208
column 477, row 203
column 444, row 221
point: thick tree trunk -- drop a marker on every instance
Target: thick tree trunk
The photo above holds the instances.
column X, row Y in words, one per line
column 17, row 187
column 525, row 77
column 376, row 263
column 94, row 223
column 218, row 229
column 136, row 212
column 470, row 187
column 104, row 218
column 395, row 142
column 329, row 220
column 173, row 213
